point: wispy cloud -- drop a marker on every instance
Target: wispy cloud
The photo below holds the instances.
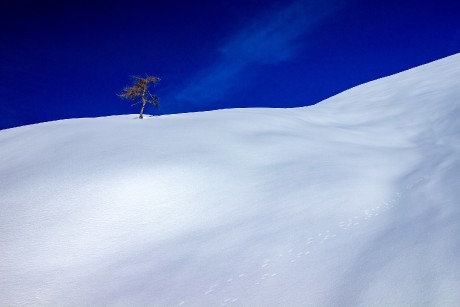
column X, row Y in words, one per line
column 271, row 38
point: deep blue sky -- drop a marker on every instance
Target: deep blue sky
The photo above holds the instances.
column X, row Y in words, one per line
column 64, row 59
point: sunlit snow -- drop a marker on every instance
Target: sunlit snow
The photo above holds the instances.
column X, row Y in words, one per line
column 352, row 202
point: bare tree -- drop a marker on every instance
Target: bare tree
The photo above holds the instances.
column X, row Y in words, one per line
column 139, row 92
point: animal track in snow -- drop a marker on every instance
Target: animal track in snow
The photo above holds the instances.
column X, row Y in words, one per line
column 379, row 209
column 228, row 301
column 211, row 289
column 265, row 263
column 292, row 256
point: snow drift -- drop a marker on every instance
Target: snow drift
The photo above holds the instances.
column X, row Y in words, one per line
column 351, row 202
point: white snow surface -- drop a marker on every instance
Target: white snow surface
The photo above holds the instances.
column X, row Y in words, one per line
column 352, row 202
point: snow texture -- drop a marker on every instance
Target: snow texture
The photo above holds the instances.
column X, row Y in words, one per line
column 352, row 202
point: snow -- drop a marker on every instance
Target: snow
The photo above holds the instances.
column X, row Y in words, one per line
column 351, row 202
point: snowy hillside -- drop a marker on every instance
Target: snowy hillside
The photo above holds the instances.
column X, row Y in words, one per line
column 352, row 202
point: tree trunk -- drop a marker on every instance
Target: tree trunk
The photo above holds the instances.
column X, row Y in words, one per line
column 144, row 102
column 141, row 115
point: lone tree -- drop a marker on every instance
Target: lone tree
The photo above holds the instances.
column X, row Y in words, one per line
column 140, row 93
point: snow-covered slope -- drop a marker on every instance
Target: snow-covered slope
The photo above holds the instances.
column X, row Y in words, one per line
column 352, row 202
